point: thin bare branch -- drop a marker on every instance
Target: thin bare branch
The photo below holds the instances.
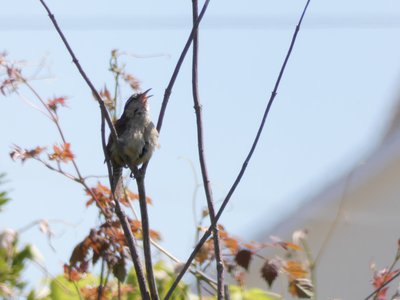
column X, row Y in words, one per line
column 146, row 235
column 167, row 94
column 124, row 222
column 81, row 71
column 171, row 83
column 211, row 282
column 106, row 118
column 246, row 161
column 202, row 159
column 382, row 286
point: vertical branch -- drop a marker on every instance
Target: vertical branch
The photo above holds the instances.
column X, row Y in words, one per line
column 142, row 171
column 130, row 240
column 100, row 288
column 106, row 118
column 246, row 161
column 146, row 234
column 171, row 83
column 203, row 165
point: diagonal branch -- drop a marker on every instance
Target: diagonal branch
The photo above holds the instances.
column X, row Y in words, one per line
column 375, row 292
column 203, row 165
column 142, row 171
column 81, row 71
column 246, row 161
column 171, row 83
column 106, row 118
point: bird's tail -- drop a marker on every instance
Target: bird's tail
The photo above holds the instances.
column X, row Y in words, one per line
column 116, row 184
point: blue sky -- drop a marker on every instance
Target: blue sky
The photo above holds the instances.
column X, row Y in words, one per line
column 335, row 100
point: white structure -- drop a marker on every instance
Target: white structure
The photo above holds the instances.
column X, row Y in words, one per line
column 355, row 221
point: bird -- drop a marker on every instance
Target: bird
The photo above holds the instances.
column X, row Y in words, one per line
column 137, row 138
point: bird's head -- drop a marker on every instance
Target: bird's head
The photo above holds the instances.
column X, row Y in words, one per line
column 136, row 106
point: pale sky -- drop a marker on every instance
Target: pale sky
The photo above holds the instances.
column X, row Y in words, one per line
column 334, row 102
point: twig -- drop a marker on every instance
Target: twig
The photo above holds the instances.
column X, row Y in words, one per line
column 227, row 293
column 100, row 288
column 244, row 166
column 81, row 71
column 203, row 165
column 339, row 213
column 54, row 118
column 199, row 274
column 171, row 83
column 396, row 259
column 105, row 117
column 382, row 286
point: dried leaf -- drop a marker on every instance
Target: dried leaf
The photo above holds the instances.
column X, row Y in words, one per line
column 243, row 258
column 284, row 244
column 101, row 193
column 107, row 98
column 62, row 154
column 71, row 274
column 269, row 271
column 232, row 244
column 131, row 80
column 299, row 235
column 301, row 288
column 23, row 154
column 119, row 270
column 295, row 269
column 155, row 235
column 205, row 252
column 79, row 253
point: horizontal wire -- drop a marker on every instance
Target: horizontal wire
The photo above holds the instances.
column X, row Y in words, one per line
column 9, row 23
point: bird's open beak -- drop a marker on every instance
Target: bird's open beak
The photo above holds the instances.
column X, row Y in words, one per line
column 145, row 94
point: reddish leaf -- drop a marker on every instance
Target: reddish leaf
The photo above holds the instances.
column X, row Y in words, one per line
column 54, row 103
column 71, row 274
column 232, row 244
column 295, row 269
column 62, row 153
column 380, row 278
column 269, row 271
column 100, row 194
column 155, row 235
column 243, row 258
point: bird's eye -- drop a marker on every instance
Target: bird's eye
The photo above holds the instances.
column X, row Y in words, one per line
column 136, row 111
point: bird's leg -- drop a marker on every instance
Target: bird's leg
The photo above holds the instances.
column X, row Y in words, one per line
column 135, row 172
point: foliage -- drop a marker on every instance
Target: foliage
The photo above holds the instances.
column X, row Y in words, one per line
column 3, row 195
column 13, row 260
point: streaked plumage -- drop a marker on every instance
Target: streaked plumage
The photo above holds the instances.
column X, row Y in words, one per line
column 137, row 137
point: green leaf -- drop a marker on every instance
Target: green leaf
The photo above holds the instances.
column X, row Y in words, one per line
column 63, row 289
column 238, row 293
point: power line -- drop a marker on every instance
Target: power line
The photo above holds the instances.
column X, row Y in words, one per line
column 38, row 23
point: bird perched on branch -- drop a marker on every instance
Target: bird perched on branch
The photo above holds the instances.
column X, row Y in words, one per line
column 137, row 138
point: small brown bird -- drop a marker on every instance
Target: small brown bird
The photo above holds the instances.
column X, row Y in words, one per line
column 137, row 138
